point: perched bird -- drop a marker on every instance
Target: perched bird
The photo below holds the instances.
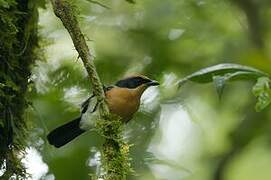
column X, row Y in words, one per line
column 123, row 99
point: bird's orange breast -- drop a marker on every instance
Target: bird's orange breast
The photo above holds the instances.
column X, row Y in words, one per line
column 123, row 102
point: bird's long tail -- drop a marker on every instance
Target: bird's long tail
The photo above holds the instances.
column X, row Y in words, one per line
column 65, row 133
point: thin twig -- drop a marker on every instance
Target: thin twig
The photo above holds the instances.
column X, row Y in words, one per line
column 99, row 3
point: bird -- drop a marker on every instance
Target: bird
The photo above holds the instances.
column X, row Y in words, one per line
column 122, row 98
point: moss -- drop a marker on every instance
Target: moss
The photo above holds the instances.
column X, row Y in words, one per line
column 18, row 43
column 115, row 151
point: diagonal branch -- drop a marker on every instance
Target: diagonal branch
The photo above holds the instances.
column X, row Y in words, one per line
column 64, row 11
column 115, row 151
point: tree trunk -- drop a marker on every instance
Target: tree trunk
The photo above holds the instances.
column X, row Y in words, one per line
column 18, row 44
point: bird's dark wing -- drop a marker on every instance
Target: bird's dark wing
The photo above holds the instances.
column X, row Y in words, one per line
column 85, row 104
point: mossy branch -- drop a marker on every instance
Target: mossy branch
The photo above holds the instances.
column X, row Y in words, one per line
column 114, row 151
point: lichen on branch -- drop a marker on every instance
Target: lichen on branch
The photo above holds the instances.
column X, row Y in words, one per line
column 115, row 151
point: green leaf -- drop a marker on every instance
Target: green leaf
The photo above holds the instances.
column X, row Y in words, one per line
column 222, row 73
column 231, row 71
column 263, row 93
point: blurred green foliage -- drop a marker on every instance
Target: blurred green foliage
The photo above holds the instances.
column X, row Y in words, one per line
column 185, row 133
column 262, row 91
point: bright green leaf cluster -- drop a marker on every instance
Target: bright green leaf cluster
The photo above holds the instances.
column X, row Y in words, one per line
column 263, row 93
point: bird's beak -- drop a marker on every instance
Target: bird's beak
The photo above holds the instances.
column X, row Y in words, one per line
column 153, row 83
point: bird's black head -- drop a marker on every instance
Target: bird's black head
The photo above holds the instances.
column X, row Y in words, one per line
column 136, row 81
